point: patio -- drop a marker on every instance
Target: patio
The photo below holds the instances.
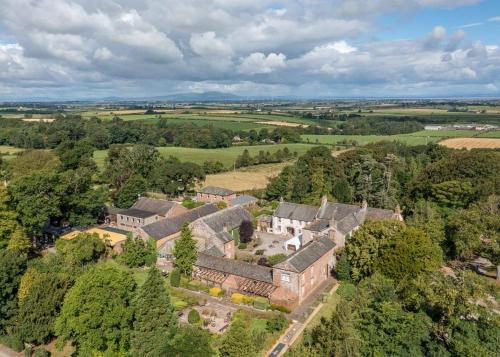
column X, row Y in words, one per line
column 271, row 243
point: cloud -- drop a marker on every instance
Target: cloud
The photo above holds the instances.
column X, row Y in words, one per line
column 494, row 19
column 128, row 47
column 258, row 63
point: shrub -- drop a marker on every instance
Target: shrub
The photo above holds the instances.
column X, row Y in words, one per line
column 343, row 268
column 237, row 298
column 242, row 246
column 260, row 303
column 175, row 278
column 12, row 342
column 347, row 291
column 221, row 205
column 260, row 251
column 41, row 353
column 248, row 300
column 263, row 261
column 193, row 317
column 279, row 308
column 276, row 323
column 276, row 258
column 197, row 286
column 216, row 292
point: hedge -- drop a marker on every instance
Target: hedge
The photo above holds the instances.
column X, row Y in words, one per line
column 175, row 278
column 279, row 308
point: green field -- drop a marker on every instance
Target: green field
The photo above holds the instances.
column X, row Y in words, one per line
column 226, row 155
column 417, row 138
column 8, row 152
column 367, row 139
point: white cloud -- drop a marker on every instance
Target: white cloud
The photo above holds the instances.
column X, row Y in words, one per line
column 494, row 19
column 126, row 47
column 258, row 63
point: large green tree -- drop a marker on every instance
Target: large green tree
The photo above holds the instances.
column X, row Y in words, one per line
column 190, row 341
column 237, row 341
column 39, row 308
column 12, row 267
column 154, row 320
column 96, row 313
column 135, row 186
column 8, row 218
column 185, row 251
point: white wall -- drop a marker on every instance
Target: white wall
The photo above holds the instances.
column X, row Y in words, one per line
column 280, row 225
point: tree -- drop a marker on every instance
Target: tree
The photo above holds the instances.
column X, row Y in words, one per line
column 173, row 177
column 427, row 218
column 92, row 317
column 12, row 267
column 83, row 249
column 244, row 159
column 154, row 320
column 31, row 161
column 246, row 231
column 185, row 251
column 362, row 249
column 19, row 243
column 134, row 187
column 36, row 198
column 137, row 253
column 76, row 154
column 8, row 218
column 39, row 308
column 342, row 191
column 343, row 268
column 237, row 341
column 407, row 254
column 189, row 341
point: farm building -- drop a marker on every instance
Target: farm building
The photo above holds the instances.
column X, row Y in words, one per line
column 215, row 194
column 114, row 237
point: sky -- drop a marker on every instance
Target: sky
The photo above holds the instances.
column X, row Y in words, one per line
column 84, row 49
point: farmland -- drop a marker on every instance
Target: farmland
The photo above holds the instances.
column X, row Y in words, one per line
column 367, row 139
column 472, row 143
column 226, row 155
column 250, row 178
column 8, row 152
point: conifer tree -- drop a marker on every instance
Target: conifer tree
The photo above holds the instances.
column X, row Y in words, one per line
column 185, row 251
column 154, row 321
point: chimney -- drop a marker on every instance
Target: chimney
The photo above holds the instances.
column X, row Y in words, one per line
column 324, row 201
column 364, row 204
column 397, row 211
column 224, row 227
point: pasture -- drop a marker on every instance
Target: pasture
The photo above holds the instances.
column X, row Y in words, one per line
column 9, row 152
column 225, row 155
column 368, row 139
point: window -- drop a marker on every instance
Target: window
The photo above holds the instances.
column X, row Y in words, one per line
column 285, row 277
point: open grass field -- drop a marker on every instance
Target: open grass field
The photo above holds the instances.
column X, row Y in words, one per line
column 226, row 155
column 489, row 134
column 471, row 143
column 446, row 133
column 9, row 152
column 367, row 139
column 249, row 178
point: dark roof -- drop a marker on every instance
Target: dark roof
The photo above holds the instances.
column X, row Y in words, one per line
column 224, row 236
column 243, row 200
column 337, row 211
column 115, row 230
column 214, row 251
column 236, row 267
column 379, row 213
column 138, row 213
column 153, row 205
column 296, row 211
column 307, row 255
column 113, row 210
column 230, row 218
column 165, row 227
column 213, row 190
column 318, row 225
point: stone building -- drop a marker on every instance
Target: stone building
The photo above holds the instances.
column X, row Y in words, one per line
column 215, row 194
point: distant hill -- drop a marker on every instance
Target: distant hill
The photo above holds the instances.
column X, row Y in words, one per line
column 200, row 97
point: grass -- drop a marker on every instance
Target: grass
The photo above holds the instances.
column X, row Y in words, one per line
column 326, row 311
column 9, row 152
column 367, row 139
column 225, row 155
column 490, row 134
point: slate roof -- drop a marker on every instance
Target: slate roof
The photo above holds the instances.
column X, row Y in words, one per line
column 243, row 200
column 379, row 213
column 160, row 207
column 224, row 236
column 236, row 267
column 214, row 251
column 337, row 211
column 165, row 227
column 115, row 230
column 138, row 213
column 296, row 211
column 213, row 190
column 230, row 218
column 307, row 255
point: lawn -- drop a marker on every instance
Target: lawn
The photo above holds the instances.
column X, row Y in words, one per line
column 226, row 155
column 490, row 134
column 367, row 139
